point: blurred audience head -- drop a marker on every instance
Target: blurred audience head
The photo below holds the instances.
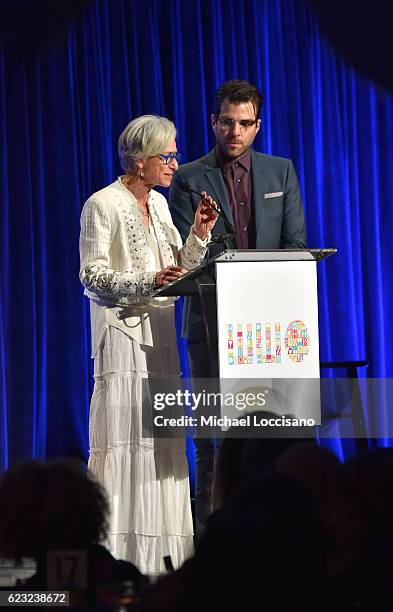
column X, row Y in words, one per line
column 264, row 546
column 315, row 466
column 49, row 506
column 367, row 490
column 242, row 458
column 318, row 469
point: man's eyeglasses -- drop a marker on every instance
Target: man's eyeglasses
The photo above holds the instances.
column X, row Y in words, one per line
column 168, row 157
column 228, row 124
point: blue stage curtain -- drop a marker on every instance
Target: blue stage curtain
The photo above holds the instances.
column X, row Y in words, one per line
column 62, row 107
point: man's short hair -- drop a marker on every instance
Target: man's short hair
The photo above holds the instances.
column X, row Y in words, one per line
column 238, row 92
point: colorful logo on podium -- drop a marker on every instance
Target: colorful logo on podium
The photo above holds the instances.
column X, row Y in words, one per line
column 261, row 343
column 297, row 341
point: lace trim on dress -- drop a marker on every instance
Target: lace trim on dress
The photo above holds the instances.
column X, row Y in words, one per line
column 162, row 237
column 136, row 232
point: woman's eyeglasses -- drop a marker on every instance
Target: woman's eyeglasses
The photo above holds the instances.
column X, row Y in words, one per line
column 168, row 157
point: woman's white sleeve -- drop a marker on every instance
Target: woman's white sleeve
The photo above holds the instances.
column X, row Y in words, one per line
column 95, row 243
column 193, row 251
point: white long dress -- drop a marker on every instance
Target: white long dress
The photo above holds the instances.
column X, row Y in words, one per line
column 146, row 478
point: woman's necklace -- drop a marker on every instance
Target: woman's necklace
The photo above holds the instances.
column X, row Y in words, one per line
column 143, row 206
column 145, row 212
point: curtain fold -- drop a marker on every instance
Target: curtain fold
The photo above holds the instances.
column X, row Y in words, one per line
column 62, row 108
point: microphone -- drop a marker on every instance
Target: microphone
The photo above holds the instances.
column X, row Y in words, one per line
column 185, row 186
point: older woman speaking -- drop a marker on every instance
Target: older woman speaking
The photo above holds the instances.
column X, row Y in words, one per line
column 128, row 245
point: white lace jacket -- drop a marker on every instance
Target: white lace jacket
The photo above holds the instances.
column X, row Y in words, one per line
column 114, row 253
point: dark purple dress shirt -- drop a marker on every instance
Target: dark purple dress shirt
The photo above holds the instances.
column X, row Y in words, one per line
column 237, row 179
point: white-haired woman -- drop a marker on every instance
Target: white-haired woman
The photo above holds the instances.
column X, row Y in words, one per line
column 128, row 245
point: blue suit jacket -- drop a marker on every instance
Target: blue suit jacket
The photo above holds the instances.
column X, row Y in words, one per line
column 276, row 201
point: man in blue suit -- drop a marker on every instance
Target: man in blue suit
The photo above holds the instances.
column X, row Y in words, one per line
column 261, row 206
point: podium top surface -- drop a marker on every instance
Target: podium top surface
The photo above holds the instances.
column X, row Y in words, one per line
column 234, row 255
column 188, row 284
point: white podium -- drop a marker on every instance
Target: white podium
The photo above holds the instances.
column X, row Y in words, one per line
column 261, row 317
column 267, row 314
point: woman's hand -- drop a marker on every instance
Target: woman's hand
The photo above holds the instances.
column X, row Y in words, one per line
column 205, row 216
column 167, row 275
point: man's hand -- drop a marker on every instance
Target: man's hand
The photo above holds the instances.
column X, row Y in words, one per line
column 205, row 216
column 167, row 275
